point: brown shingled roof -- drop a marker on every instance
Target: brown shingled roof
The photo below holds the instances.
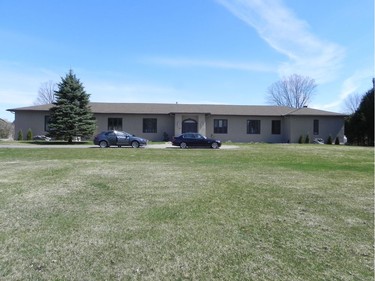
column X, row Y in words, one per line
column 306, row 111
column 44, row 107
column 159, row 108
column 163, row 108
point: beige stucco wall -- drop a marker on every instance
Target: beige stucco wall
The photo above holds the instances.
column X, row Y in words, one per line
column 237, row 129
column 291, row 127
column 304, row 125
column 133, row 124
column 25, row 120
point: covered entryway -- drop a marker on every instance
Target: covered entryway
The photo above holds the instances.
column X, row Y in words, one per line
column 189, row 126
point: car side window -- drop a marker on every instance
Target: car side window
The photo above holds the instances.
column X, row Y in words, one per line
column 110, row 134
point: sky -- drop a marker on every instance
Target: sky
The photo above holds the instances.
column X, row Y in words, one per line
column 185, row 51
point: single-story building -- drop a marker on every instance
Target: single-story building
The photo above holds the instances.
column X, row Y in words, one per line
column 237, row 123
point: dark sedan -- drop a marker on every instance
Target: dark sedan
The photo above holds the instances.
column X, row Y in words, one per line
column 118, row 138
column 195, row 140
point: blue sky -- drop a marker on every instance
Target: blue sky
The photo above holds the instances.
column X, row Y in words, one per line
column 186, row 51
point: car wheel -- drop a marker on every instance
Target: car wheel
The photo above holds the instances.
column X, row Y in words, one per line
column 214, row 145
column 135, row 144
column 103, row 144
column 183, row 145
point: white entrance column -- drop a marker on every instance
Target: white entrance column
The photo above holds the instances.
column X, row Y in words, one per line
column 202, row 124
column 177, row 124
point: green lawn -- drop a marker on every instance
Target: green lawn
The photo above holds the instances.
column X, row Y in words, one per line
column 260, row 212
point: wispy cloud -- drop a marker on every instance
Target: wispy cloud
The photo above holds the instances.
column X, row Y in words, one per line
column 19, row 85
column 287, row 34
column 355, row 82
column 351, row 85
column 218, row 64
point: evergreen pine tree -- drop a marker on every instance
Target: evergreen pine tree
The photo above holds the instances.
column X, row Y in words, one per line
column 359, row 126
column 329, row 140
column 29, row 135
column 307, row 140
column 20, row 135
column 71, row 116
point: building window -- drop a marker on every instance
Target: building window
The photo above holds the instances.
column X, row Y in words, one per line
column 276, row 127
column 316, row 127
column 150, row 125
column 46, row 123
column 220, row 126
column 115, row 124
column 253, row 126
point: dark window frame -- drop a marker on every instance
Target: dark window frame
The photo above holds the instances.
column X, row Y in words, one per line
column 276, row 127
column 150, row 125
column 47, row 119
column 253, row 127
column 316, row 127
column 114, row 123
column 220, row 126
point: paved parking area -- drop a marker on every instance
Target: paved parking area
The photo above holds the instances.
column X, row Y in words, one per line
column 166, row 145
column 169, row 145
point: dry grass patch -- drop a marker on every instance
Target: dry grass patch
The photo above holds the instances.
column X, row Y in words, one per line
column 261, row 212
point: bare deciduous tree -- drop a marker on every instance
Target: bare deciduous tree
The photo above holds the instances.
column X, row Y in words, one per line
column 6, row 129
column 46, row 93
column 294, row 91
column 352, row 103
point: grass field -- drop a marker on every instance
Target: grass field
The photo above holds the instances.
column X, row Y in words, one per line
column 260, row 212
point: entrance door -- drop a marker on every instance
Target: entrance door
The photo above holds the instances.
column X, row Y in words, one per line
column 189, row 126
